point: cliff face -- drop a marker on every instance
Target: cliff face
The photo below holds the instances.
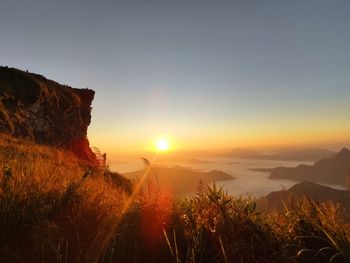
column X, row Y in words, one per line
column 45, row 112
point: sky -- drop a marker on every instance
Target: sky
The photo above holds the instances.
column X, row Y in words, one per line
column 210, row 75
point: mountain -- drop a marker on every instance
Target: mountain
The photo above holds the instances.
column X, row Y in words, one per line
column 307, row 154
column 290, row 154
column 45, row 112
column 179, row 179
column 320, row 193
column 245, row 154
column 333, row 170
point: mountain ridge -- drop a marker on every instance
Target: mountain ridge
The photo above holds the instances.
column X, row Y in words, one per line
column 277, row 200
column 180, row 180
column 333, row 170
column 288, row 154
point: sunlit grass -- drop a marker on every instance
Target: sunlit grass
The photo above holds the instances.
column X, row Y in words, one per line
column 54, row 209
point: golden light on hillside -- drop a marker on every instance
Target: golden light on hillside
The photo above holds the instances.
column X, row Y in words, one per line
column 162, row 144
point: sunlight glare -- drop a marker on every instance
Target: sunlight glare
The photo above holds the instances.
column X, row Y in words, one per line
column 162, row 144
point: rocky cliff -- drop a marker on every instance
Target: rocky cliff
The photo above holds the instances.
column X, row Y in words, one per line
column 45, row 112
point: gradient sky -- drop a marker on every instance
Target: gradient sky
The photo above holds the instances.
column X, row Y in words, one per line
column 210, row 74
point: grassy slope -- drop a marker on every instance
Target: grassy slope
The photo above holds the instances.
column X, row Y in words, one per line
column 50, row 212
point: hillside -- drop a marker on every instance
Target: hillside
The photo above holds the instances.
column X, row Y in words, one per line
column 45, row 112
column 290, row 197
column 52, row 208
column 180, row 180
column 333, row 170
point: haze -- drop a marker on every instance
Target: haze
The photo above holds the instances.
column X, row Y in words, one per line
column 209, row 74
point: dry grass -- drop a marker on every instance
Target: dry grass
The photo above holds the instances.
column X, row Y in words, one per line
column 52, row 209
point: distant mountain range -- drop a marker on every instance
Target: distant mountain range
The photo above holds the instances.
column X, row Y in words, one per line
column 180, row 180
column 276, row 200
column 292, row 154
column 333, row 170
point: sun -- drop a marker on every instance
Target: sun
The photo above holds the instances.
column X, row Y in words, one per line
column 162, row 144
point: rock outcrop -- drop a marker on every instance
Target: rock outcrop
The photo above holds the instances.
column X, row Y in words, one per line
column 45, row 112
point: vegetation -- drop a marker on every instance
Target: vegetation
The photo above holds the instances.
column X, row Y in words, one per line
column 54, row 209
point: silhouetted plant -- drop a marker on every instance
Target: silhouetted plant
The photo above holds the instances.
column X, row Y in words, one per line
column 55, row 210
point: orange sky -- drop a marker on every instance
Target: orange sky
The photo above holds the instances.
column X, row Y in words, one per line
column 212, row 75
column 332, row 133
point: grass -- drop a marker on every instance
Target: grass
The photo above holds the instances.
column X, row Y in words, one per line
column 54, row 209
